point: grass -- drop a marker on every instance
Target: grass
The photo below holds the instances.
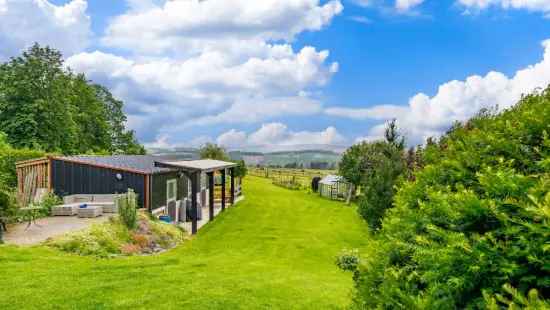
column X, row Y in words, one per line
column 274, row 250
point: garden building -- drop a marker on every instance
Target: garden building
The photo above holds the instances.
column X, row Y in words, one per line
column 184, row 190
column 334, row 187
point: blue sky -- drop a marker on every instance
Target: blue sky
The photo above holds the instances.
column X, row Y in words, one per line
column 293, row 73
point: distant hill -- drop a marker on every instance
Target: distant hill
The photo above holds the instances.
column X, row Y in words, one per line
column 315, row 159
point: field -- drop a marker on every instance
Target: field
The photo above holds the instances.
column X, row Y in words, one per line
column 274, row 250
column 281, row 176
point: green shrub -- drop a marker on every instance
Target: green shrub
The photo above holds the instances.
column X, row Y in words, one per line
column 127, row 209
column 49, row 201
column 475, row 218
column 348, row 260
column 113, row 238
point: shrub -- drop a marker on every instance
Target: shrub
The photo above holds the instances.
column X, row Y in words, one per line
column 348, row 260
column 113, row 238
column 49, row 201
column 127, row 208
column 474, row 219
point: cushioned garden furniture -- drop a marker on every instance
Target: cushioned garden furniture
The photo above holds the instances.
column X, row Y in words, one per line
column 90, row 211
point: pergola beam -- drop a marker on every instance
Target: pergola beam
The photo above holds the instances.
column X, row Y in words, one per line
column 211, row 195
column 223, row 189
column 232, row 197
column 194, row 211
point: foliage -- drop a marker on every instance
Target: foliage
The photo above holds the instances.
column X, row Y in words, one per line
column 9, row 156
column 241, row 170
column 114, row 238
column 475, row 218
column 8, row 201
column 348, row 260
column 213, row 151
column 50, row 200
column 127, row 208
column 376, row 167
column 383, row 167
column 516, row 300
column 46, row 107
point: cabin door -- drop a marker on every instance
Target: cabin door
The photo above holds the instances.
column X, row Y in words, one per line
column 171, row 198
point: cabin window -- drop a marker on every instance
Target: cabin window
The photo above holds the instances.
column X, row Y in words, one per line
column 171, row 190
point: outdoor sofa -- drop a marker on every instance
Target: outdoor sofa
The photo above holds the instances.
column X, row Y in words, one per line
column 71, row 204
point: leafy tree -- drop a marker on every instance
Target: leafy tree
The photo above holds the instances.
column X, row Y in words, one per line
column 383, row 165
column 376, row 167
column 44, row 106
column 213, row 151
column 473, row 227
column 241, row 170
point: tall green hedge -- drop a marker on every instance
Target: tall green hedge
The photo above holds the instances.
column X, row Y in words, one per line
column 473, row 224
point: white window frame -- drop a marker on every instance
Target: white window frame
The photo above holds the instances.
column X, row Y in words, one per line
column 172, row 182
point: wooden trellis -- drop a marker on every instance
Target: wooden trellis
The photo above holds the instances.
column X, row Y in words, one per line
column 31, row 176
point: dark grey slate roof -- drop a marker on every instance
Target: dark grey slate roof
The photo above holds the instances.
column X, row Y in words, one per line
column 142, row 163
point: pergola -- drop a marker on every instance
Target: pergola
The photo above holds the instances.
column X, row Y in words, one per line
column 193, row 170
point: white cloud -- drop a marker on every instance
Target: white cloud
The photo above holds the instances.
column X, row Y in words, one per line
column 163, row 94
column 23, row 22
column 277, row 136
column 195, row 25
column 531, row 5
column 406, row 5
column 361, row 19
column 207, row 62
column 427, row 116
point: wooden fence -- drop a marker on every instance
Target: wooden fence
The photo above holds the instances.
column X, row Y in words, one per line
column 290, row 178
column 32, row 175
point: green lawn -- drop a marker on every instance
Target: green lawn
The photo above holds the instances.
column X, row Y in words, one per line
column 275, row 249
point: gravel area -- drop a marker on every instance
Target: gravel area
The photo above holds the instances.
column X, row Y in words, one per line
column 46, row 228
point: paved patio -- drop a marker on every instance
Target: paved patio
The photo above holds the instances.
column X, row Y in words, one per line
column 47, row 227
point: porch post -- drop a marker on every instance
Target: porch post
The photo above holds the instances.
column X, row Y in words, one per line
column 223, row 189
column 211, row 195
column 232, row 170
column 194, row 192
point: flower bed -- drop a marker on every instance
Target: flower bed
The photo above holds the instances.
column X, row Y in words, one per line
column 113, row 239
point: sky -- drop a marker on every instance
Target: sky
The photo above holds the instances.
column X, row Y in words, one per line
column 287, row 74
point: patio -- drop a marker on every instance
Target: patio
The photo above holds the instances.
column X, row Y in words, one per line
column 48, row 227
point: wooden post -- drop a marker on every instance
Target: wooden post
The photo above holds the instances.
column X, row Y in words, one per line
column 194, row 191
column 211, row 195
column 223, row 189
column 232, row 197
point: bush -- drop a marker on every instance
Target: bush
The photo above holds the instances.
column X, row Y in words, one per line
column 113, row 238
column 49, row 201
column 127, row 209
column 348, row 260
column 474, row 219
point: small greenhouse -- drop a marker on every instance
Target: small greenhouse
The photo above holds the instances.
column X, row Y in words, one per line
column 334, row 187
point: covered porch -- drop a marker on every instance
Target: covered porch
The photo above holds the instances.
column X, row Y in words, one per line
column 193, row 169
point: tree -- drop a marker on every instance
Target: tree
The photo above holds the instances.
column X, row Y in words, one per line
column 241, row 170
column 393, row 136
column 383, row 165
column 45, row 106
column 213, row 151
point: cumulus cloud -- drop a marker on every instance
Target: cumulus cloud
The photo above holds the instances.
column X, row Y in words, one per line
column 531, row 5
column 23, row 22
column 192, row 25
column 277, row 136
column 406, row 5
column 427, row 116
column 208, row 62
